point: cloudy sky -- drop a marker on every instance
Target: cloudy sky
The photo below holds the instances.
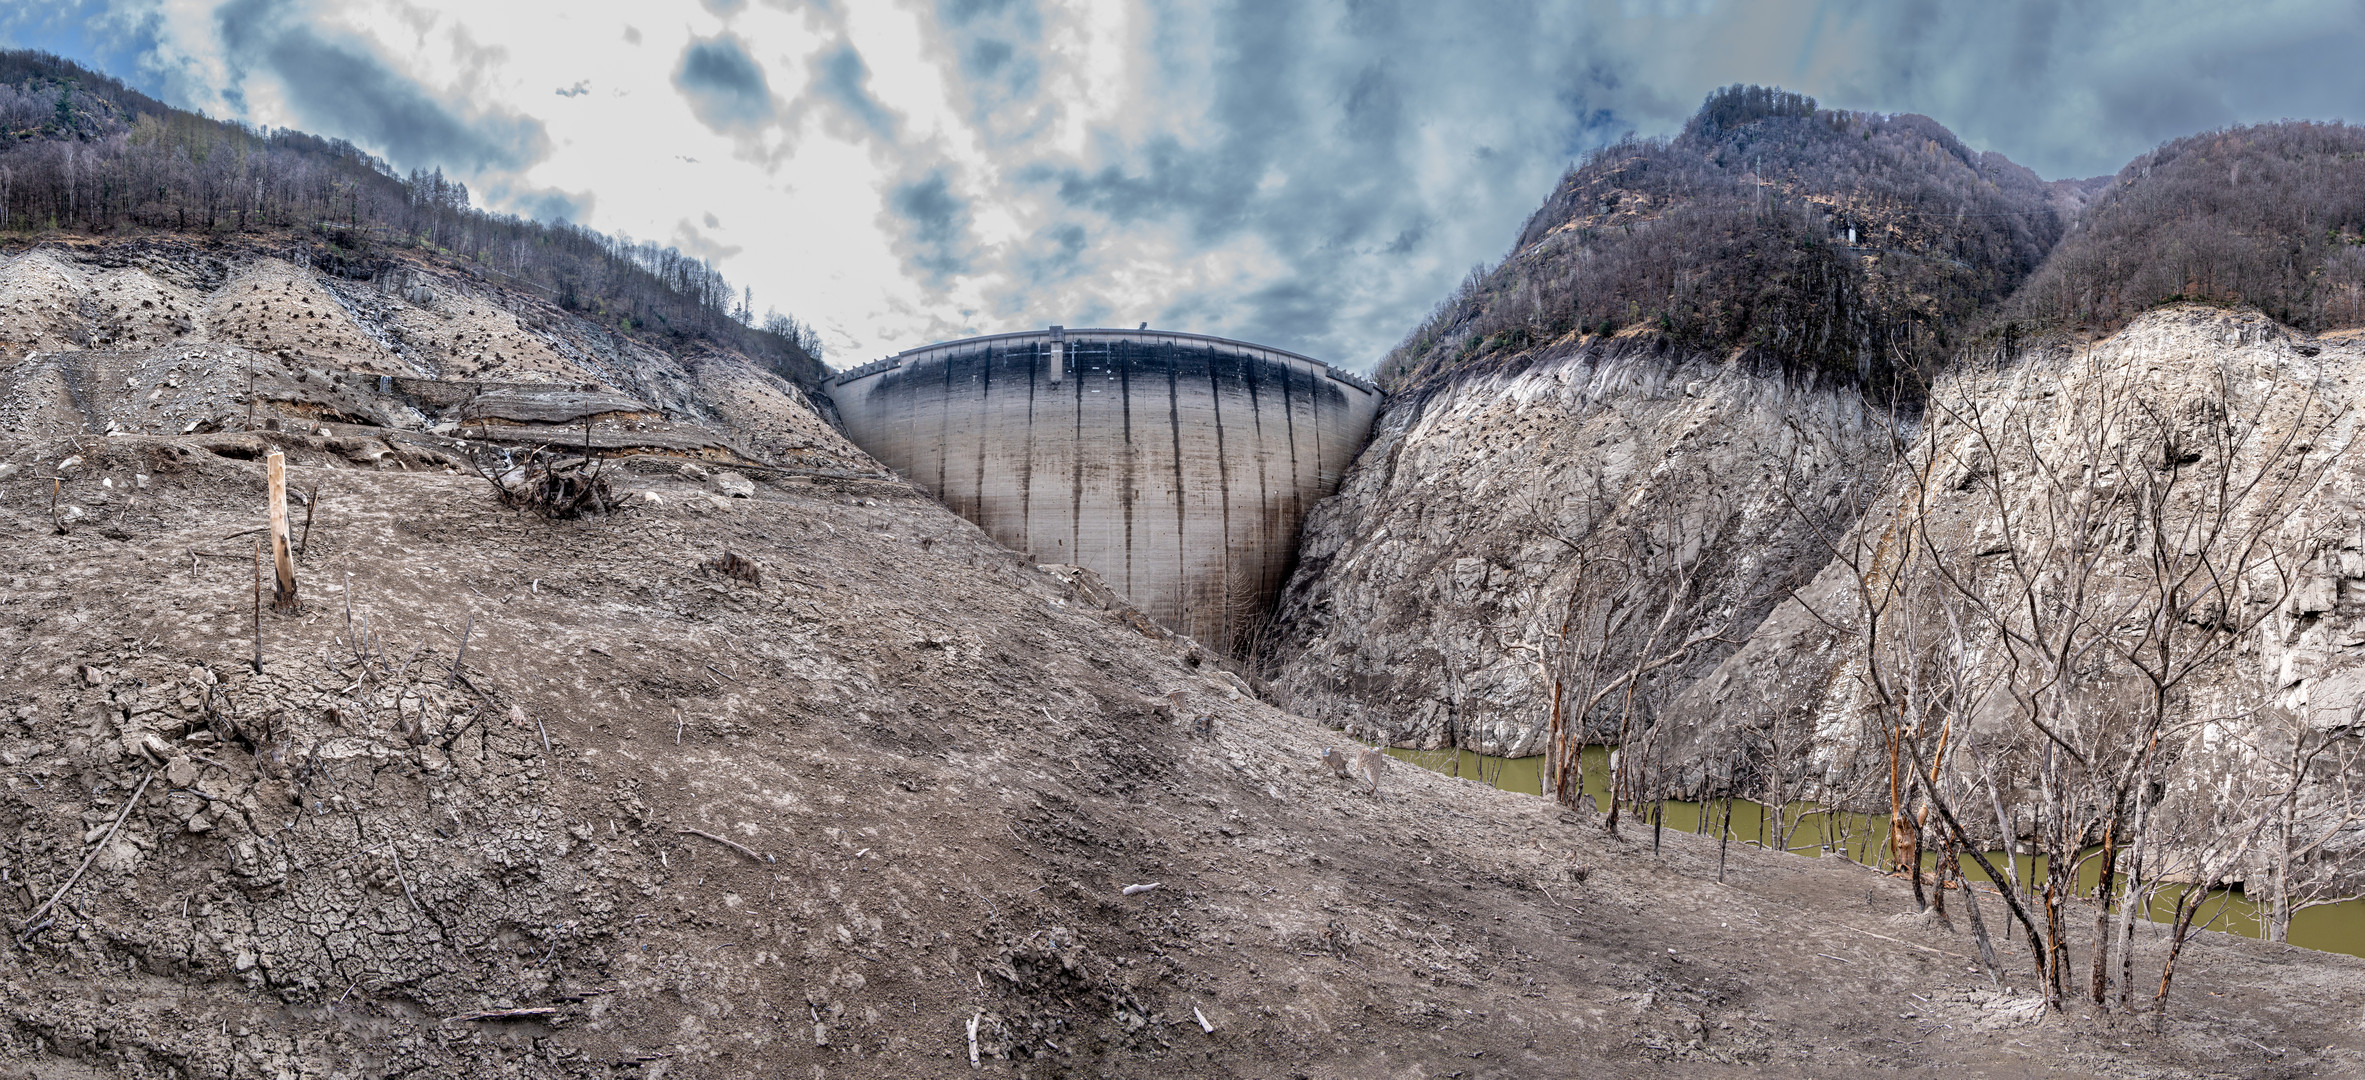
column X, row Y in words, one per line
column 1309, row 175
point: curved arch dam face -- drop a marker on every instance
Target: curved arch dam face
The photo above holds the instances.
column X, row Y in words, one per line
column 1178, row 467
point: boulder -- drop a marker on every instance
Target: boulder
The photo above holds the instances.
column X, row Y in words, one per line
column 732, row 485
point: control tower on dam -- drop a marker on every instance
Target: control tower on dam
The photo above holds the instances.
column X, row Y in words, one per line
column 1177, row 466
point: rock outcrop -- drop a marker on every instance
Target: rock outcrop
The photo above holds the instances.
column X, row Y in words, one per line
column 1434, row 598
column 2222, row 385
column 1588, row 485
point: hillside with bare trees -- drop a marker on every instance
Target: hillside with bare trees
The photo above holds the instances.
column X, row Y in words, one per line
column 83, row 155
column 2031, row 524
column 2270, row 217
column 1810, row 242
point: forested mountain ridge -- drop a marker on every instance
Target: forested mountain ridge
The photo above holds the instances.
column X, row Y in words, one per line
column 1809, row 240
column 81, row 154
column 2271, row 216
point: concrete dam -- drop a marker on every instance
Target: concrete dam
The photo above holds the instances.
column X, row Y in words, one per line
column 1176, row 466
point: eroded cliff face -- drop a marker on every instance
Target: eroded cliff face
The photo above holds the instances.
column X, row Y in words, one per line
column 2187, row 409
column 1454, row 582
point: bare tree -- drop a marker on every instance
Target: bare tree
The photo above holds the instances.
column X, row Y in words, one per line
column 2066, row 545
column 2322, row 776
column 1635, row 606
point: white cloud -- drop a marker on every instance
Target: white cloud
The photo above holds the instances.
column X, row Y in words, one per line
column 1312, row 175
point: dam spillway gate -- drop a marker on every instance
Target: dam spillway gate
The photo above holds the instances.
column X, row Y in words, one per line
column 1176, row 466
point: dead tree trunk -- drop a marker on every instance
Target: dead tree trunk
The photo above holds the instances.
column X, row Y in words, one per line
column 282, row 558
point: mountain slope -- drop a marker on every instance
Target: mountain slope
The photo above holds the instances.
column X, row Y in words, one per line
column 567, row 802
column 1809, row 240
column 2157, row 472
column 780, row 770
column 1598, row 431
column 87, row 156
column 162, row 335
column 2271, row 216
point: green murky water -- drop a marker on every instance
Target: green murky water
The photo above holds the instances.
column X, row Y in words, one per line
column 1809, row 830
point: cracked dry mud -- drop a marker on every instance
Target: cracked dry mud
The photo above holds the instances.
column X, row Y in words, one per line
column 937, row 768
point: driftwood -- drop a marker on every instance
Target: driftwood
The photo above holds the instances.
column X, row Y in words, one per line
column 282, row 560
column 534, row 1013
column 732, row 844
column 549, row 488
column 26, row 930
column 396, row 858
column 311, row 503
column 463, row 657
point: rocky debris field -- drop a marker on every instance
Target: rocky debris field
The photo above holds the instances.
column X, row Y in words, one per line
column 775, row 774
column 162, row 337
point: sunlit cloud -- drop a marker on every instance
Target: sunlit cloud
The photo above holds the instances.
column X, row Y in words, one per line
column 1312, row 175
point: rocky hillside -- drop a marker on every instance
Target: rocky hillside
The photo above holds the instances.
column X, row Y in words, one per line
column 167, row 336
column 1789, row 238
column 2222, row 434
column 1510, row 539
column 83, row 155
column 2270, row 217
column 572, row 798
column 136, row 296
column 1614, row 424
column 2093, row 579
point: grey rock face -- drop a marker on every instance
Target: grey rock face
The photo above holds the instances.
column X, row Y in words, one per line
column 2012, row 542
column 1432, row 604
column 734, row 486
column 2300, row 666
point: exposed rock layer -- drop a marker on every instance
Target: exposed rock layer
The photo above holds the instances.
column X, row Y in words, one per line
column 2305, row 661
column 1429, row 603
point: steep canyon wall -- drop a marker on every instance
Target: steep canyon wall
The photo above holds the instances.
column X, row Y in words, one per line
column 1450, row 587
column 2042, row 480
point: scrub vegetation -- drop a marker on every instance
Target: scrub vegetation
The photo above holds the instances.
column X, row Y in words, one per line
column 82, row 154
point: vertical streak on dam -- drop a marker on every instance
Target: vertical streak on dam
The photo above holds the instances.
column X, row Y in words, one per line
column 1177, row 466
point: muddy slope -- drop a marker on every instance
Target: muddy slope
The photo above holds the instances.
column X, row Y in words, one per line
column 821, row 822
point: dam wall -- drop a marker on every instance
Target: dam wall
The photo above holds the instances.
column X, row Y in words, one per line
column 1176, row 466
